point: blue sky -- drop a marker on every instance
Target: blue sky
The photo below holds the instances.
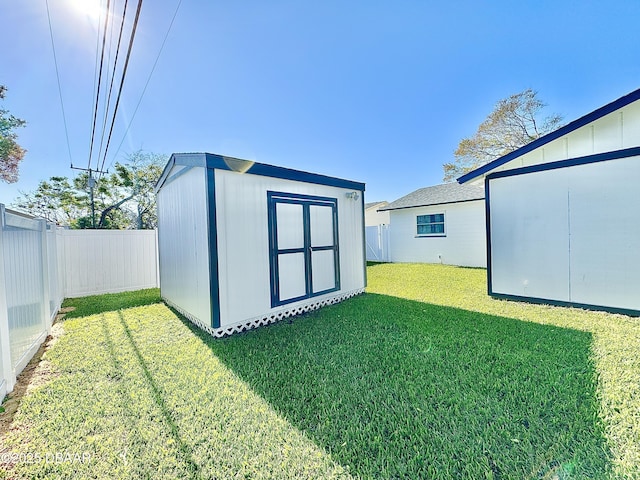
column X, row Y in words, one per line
column 373, row 91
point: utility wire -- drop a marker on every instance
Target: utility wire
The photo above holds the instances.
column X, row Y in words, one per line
column 109, row 79
column 95, row 68
column 55, row 61
column 113, row 76
column 97, row 103
column 124, row 73
column 145, row 85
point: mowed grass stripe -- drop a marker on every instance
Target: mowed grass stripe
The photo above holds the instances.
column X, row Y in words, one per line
column 147, row 399
column 615, row 348
column 395, row 388
column 423, row 377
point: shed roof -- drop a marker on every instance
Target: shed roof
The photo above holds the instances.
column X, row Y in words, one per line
column 438, row 195
column 220, row 162
column 570, row 127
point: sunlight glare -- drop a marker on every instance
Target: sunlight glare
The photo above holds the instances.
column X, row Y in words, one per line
column 91, row 9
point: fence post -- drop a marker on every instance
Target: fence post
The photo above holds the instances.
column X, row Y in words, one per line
column 62, row 264
column 157, row 259
column 46, row 304
column 7, row 379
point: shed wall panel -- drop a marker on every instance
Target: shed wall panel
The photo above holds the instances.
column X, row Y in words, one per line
column 605, row 234
column 607, row 135
column 243, row 246
column 631, row 125
column 555, row 150
column 529, row 236
column 580, row 143
column 568, row 235
column 183, row 243
column 464, row 243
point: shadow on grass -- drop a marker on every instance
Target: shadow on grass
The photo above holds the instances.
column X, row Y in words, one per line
column 158, row 398
column 371, row 263
column 395, row 388
column 111, row 302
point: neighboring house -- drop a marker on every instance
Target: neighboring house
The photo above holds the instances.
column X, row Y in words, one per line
column 563, row 222
column 372, row 217
column 439, row 224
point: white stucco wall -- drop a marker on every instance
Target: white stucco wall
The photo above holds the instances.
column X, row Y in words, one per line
column 463, row 244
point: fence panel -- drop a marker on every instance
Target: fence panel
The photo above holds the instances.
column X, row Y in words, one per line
column 41, row 265
column 25, row 315
column 108, row 261
column 377, row 243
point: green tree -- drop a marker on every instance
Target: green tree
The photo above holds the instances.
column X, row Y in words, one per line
column 11, row 154
column 123, row 199
column 514, row 122
column 55, row 200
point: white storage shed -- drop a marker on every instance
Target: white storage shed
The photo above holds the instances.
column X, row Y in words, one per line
column 563, row 214
column 244, row 244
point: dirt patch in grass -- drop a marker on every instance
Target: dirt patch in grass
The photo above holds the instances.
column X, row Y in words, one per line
column 37, row 373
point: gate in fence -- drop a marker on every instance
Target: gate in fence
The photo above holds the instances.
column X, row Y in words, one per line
column 377, row 243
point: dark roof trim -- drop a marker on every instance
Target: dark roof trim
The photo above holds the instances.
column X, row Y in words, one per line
column 598, row 157
column 570, row 127
column 385, row 209
column 220, row 162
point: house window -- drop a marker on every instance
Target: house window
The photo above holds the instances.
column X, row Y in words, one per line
column 430, row 225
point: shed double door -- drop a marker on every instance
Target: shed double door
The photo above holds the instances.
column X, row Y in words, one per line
column 303, row 244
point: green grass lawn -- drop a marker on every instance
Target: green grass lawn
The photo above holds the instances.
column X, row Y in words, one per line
column 422, row 377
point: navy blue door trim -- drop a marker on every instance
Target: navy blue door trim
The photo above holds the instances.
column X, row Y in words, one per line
column 305, row 201
column 214, row 281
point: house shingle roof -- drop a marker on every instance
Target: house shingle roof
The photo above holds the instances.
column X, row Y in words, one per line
column 438, row 195
column 383, row 203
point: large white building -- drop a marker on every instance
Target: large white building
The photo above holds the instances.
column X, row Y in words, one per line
column 563, row 213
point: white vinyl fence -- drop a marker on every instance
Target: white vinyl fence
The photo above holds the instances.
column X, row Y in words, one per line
column 377, row 243
column 41, row 265
column 108, row 261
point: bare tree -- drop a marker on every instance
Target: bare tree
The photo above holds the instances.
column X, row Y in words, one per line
column 514, row 122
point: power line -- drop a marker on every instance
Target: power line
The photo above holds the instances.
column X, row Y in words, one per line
column 113, row 76
column 146, row 84
column 97, row 103
column 95, row 68
column 124, row 73
column 55, row 61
